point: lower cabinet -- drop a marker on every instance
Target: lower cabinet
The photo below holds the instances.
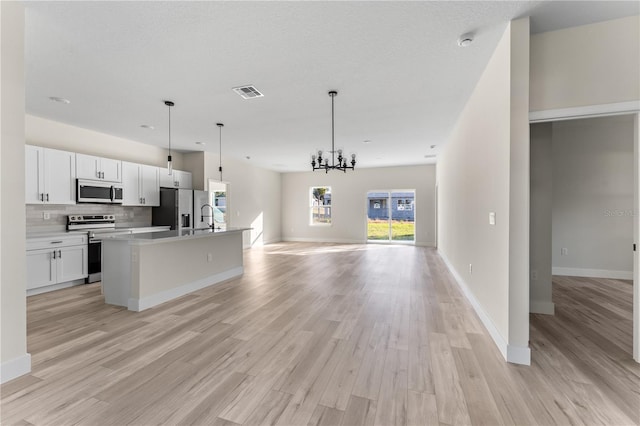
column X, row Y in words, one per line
column 61, row 260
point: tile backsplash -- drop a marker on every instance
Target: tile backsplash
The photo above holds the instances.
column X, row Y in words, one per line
column 125, row 216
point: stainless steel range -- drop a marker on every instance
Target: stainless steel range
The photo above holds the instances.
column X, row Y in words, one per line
column 95, row 226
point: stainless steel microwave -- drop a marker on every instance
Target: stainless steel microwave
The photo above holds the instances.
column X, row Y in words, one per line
column 90, row 191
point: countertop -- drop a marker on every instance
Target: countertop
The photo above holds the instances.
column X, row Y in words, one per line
column 168, row 236
column 56, row 234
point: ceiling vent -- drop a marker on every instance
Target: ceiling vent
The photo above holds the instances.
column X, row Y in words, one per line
column 248, row 92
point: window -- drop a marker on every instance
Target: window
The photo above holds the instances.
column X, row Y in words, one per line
column 404, row 204
column 320, row 205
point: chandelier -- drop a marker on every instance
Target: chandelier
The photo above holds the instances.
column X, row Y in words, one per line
column 323, row 163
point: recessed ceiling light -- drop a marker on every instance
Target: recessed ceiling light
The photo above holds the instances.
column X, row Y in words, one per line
column 147, row 126
column 201, row 143
column 465, row 40
column 59, row 100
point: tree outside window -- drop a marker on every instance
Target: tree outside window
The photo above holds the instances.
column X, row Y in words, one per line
column 320, row 205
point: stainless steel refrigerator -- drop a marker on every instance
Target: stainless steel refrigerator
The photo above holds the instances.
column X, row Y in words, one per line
column 175, row 210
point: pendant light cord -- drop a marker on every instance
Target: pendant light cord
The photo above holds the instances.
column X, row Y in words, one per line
column 333, row 133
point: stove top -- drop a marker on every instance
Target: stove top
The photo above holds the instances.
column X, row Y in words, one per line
column 76, row 222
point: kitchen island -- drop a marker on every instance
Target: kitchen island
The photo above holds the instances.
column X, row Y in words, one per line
column 143, row 270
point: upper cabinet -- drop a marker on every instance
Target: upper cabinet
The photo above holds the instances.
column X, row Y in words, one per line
column 178, row 179
column 50, row 176
column 141, row 185
column 98, row 168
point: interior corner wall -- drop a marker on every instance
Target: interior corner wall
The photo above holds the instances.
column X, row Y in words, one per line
column 349, row 195
column 593, row 197
column 588, row 65
column 56, row 135
column 14, row 359
column 636, row 238
column 540, row 283
column 253, row 198
column 474, row 178
column 194, row 163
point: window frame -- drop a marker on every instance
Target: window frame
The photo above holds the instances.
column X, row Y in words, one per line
column 312, row 205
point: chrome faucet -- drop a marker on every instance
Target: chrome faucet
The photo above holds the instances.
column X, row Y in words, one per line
column 202, row 216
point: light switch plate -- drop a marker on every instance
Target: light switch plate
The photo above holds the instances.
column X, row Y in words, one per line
column 492, row 218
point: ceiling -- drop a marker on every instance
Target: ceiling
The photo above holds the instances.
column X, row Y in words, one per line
column 401, row 78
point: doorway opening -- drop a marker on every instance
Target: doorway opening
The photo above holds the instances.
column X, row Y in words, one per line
column 219, row 199
column 391, row 216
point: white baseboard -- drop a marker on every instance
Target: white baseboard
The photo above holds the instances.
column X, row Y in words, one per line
column 322, row 240
column 53, row 287
column 519, row 355
column 513, row 354
column 138, row 305
column 592, row 273
column 601, row 110
column 542, row 307
column 15, row 368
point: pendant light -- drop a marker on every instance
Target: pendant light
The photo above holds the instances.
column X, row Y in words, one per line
column 220, row 126
column 169, row 162
column 342, row 161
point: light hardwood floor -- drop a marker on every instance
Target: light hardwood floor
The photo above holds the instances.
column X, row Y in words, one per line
column 324, row 335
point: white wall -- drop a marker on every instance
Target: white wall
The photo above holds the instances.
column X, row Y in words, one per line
column 636, row 239
column 588, row 65
column 253, row 197
column 540, row 284
column 53, row 134
column 14, row 359
column 593, row 197
column 349, row 202
column 484, row 168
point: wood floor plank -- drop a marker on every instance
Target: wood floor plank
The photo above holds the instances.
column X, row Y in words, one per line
column 382, row 336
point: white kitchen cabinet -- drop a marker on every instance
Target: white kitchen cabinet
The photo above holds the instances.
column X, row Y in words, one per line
column 50, row 176
column 56, row 260
column 141, row 185
column 98, row 168
column 179, row 179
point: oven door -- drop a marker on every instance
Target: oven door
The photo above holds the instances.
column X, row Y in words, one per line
column 94, row 257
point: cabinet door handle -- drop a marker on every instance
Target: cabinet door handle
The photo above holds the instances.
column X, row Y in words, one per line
column 54, row 254
column 41, row 197
column 144, row 201
column 47, row 197
column 60, row 254
column 56, row 242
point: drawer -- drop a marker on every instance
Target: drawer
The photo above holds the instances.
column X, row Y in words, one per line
column 37, row 243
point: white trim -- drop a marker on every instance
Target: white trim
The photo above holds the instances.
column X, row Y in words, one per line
column 322, row 240
column 542, row 307
column 593, row 273
column 513, row 354
column 601, row 110
column 53, row 287
column 138, row 305
column 15, row 368
column 519, row 355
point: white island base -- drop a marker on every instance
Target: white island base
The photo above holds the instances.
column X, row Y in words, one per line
column 144, row 270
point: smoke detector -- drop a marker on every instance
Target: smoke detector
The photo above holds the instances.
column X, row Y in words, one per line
column 465, row 40
column 247, row 92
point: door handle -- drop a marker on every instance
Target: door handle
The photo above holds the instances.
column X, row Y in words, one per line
column 113, row 193
column 54, row 254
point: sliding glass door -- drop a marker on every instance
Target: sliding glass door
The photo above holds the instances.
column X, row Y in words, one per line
column 391, row 216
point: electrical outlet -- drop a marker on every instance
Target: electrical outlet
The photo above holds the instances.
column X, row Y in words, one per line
column 471, row 268
column 209, row 257
column 534, row 275
column 564, row 251
column 46, row 215
column 492, row 218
